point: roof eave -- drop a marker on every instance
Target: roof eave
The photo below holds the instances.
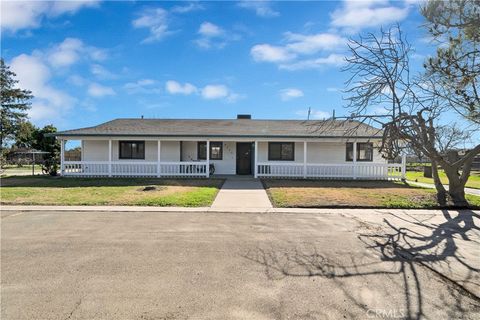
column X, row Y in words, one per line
column 60, row 134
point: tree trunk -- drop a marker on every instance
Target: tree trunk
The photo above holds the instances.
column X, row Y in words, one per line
column 456, row 187
column 441, row 192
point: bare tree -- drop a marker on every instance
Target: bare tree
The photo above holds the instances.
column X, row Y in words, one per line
column 407, row 107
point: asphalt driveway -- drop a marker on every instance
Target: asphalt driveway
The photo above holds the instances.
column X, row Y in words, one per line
column 147, row 265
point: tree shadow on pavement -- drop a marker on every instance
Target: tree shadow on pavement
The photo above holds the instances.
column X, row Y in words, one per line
column 406, row 247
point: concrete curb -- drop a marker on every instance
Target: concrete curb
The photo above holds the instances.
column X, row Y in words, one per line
column 104, row 208
column 215, row 210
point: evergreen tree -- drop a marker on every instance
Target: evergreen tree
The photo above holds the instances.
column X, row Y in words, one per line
column 24, row 137
column 455, row 68
column 15, row 104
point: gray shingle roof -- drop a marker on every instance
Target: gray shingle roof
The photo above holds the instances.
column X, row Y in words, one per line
column 226, row 128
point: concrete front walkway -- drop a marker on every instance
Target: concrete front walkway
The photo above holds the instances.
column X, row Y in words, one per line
column 242, row 194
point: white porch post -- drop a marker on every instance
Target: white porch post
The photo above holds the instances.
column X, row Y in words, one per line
column 207, row 173
column 404, row 164
column 62, row 157
column 355, row 160
column 305, row 159
column 159, row 147
column 82, row 150
column 110, row 157
column 255, row 162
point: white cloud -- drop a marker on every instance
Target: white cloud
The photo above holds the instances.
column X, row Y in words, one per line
column 77, row 80
column 269, row 53
column 309, row 44
column 33, row 74
column 60, row 7
column 146, row 82
column 332, row 59
column 193, row 6
column 98, row 90
column 314, row 114
column 213, row 36
column 294, row 54
column 262, row 8
column 173, row 87
column 17, row 15
column 234, row 97
column 143, row 86
column 354, row 15
column 36, row 71
column 66, row 53
column 208, row 92
column 290, row 93
column 314, row 51
column 215, row 91
column 97, row 54
column 70, row 51
column 220, row 91
column 101, row 72
column 156, row 21
column 208, row 29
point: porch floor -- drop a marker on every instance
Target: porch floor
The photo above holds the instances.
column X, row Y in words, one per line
column 233, row 177
column 242, row 192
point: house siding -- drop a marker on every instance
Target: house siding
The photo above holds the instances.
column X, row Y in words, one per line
column 95, row 150
column 169, row 151
column 318, row 152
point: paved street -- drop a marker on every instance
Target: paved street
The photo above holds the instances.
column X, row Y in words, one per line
column 364, row 264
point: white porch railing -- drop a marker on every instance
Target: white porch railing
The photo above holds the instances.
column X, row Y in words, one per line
column 376, row 171
column 85, row 168
column 183, row 169
column 134, row 169
column 280, row 170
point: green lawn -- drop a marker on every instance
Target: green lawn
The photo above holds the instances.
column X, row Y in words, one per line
column 45, row 190
column 331, row 193
column 473, row 180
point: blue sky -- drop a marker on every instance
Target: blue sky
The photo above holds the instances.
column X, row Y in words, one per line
column 88, row 62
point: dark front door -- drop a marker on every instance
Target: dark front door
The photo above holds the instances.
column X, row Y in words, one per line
column 244, row 158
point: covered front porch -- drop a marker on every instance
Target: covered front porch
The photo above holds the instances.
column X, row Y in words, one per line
column 261, row 158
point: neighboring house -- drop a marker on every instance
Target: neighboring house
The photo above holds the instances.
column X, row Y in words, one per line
column 476, row 163
column 242, row 146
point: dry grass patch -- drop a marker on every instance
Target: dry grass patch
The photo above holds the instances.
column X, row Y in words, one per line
column 331, row 193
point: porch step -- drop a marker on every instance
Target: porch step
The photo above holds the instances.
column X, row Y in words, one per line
column 242, row 193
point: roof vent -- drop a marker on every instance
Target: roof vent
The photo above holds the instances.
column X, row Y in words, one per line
column 244, row 116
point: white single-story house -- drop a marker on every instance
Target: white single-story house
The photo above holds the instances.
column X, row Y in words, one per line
column 242, row 146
